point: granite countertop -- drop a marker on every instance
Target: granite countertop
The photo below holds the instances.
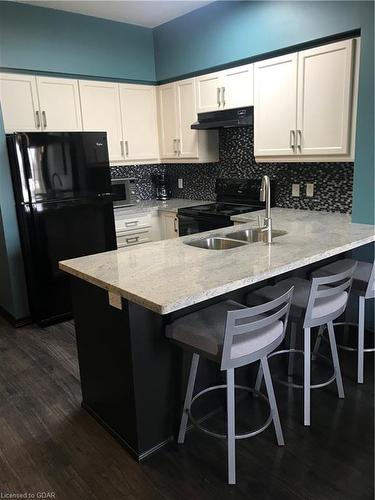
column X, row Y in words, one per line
column 171, row 205
column 168, row 275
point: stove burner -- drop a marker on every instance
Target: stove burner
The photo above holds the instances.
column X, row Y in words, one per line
column 225, row 209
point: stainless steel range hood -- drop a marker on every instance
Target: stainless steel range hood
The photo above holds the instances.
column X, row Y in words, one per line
column 238, row 117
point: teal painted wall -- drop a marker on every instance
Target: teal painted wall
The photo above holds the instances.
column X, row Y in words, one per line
column 223, row 32
column 13, row 296
column 39, row 39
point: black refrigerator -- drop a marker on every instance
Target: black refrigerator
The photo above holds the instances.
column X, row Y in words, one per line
column 62, row 189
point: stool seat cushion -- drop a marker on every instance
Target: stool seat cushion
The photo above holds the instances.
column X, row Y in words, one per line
column 322, row 307
column 361, row 275
column 204, row 331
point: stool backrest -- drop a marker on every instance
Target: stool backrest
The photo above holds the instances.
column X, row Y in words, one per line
column 247, row 321
column 370, row 290
column 329, row 288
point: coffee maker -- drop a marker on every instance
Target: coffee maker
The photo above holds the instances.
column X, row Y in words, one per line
column 162, row 187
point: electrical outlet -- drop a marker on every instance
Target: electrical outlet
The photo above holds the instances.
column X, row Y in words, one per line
column 295, row 190
column 180, row 183
column 309, row 189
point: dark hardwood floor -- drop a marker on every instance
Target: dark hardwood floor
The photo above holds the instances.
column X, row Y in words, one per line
column 49, row 444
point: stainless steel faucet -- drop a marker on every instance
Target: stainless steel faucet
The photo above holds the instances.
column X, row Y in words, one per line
column 265, row 195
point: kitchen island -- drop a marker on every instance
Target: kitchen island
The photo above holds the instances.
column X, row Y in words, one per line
column 130, row 373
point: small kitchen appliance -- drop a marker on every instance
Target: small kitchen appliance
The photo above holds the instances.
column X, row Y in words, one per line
column 162, row 187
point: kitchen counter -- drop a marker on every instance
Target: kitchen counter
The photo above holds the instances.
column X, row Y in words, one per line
column 169, row 275
column 171, row 205
column 130, row 373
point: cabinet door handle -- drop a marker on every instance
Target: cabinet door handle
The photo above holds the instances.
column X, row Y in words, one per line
column 218, row 97
column 175, row 149
column 37, row 119
column 122, row 148
column 44, row 116
column 178, row 146
column 126, row 148
column 131, row 223
column 132, row 240
column 176, row 225
column 299, row 139
column 223, row 96
column 292, row 139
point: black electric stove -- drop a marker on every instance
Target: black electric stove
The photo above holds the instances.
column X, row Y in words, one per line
column 233, row 197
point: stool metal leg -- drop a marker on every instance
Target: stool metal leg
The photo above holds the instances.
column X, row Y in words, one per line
column 318, row 342
column 272, row 400
column 361, row 338
column 335, row 358
column 259, row 378
column 188, row 397
column 231, row 427
column 293, row 332
column 307, row 375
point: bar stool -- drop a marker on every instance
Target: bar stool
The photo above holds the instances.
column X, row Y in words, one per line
column 232, row 335
column 314, row 304
column 364, row 288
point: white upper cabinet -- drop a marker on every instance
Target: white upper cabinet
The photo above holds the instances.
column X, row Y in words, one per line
column 324, row 99
column 177, row 112
column 19, row 103
column 305, row 104
column 231, row 88
column 186, row 105
column 208, row 88
column 59, row 104
column 101, row 112
column 237, row 87
column 168, row 120
column 275, row 106
column 139, row 122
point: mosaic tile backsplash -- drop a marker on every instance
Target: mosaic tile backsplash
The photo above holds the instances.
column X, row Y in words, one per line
column 333, row 182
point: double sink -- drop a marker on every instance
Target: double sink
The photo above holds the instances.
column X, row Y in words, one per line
column 233, row 240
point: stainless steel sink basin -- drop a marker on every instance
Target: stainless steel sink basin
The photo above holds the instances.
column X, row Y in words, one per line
column 253, row 235
column 215, row 243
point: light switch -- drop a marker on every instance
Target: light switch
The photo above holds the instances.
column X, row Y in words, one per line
column 309, row 189
column 295, row 190
column 180, row 183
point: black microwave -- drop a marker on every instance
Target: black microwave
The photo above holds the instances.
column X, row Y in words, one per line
column 123, row 192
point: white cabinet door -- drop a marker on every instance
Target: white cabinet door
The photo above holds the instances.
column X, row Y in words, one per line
column 324, row 99
column 275, row 106
column 208, row 89
column 169, row 225
column 186, row 106
column 59, row 104
column 19, row 103
column 100, row 105
column 168, row 120
column 238, row 87
column 139, row 122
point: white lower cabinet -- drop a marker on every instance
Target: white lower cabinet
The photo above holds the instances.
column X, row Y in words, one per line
column 136, row 228
column 169, row 225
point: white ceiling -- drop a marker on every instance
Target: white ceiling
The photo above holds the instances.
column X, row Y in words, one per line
column 149, row 13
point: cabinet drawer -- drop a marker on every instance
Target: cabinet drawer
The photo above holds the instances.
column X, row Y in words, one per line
column 132, row 223
column 127, row 240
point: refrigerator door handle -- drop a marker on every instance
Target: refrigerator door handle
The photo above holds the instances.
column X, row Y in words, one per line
column 23, row 167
